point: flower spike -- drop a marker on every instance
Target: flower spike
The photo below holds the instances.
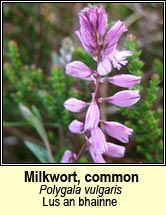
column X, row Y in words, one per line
column 101, row 43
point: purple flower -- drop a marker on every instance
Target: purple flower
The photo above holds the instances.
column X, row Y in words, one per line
column 124, row 98
column 115, row 151
column 75, row 105
column 94, row 20
column 123, row 80
column 115, row 59
column 100, row 42
column 117, row 130
column 78, row 69
column 68, row 157
column 98, row 140
column 93, row 26
column 92, row 115
column 76, row 127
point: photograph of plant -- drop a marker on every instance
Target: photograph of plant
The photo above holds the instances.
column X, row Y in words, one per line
column 83, row 83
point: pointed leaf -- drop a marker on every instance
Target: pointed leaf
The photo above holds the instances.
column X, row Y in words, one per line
column 38, row 151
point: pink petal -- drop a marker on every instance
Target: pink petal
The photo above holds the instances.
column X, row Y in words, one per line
column 119, row 58
column 113, row 36
column 115, row 151
column 97, row 158
column 121, row 55
column 125, row 80
column 98, row 140
column 92, row 115
column 84, row 22
column 104, row 67
column 87, row 40
column 76, row 127
column 123, row 98
column 115, row 32
column 117, row 130
column 102, row 21
column 93, row 19
column 68, row 157
column 75, row 105
column 79, row 70
column 81, row 37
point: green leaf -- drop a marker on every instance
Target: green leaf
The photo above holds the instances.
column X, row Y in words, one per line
column 38, row 151
column 36, row 112
column 27, row 114
column 34, row 121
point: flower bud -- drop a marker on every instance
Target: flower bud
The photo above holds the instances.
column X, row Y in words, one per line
column 123, row 98
column 78, row 69
column 94, row 19
column 68, row 157
column 75, row 105
column 76, row 127
column 125, row 80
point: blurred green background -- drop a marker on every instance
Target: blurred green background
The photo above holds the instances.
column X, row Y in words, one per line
column 38, row 41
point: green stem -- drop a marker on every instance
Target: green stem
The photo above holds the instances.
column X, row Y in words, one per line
column 96, row 91
column 97, row 86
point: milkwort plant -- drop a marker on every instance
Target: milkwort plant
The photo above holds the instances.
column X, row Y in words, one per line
column 101, row 43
